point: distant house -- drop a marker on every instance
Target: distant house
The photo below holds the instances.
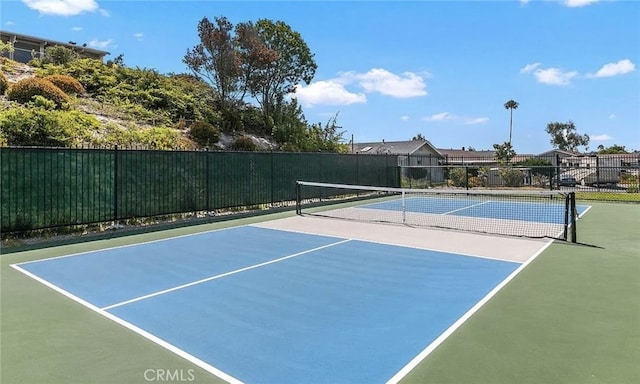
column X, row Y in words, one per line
column 466, row 157
column 414, row 157
column 412, row 152
column 26, row 47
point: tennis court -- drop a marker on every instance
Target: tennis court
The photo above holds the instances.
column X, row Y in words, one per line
column 298, row 299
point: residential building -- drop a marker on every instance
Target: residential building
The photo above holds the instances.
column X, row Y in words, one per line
column 26, row 47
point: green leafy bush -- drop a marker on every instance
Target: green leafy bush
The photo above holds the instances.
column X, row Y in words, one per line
column 39, row 127
column 42, row 102
column 66, row 83
column 512, row 177
column 148, row 138
column 244, row 143
column 458, row 177
column 24, row 90
column 4, row 83
column 204, row 133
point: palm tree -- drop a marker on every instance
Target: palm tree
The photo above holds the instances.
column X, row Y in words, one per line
column 511, row 105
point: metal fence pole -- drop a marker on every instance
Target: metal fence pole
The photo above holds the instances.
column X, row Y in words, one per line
column 115, row 183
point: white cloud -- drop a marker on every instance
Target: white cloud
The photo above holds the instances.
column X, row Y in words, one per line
column 530, row 67
column 327, row 93
column 614, row 69
column 9, row 22
column 476, row 120
column 139, row 36
column 101, row 44
column 404, row 118
column 612, row 116
column 524, row 2
column 62, row 7
column 446, row 116
column 578, row 3
column 554, row 76
column 603, row 137
column 442, row 116
column 406, row 85
column 76, row 29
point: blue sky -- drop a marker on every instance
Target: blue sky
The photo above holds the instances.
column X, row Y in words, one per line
column 393, row 69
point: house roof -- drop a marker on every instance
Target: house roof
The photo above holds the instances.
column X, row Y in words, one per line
column 559, row 152
column 465, row 153
column 34, row 39
column 393, row 147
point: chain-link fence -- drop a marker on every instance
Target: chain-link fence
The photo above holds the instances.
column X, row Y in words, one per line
column 605, row 177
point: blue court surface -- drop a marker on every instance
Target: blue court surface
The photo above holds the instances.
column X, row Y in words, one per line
column 270, row 306
column 551, row 212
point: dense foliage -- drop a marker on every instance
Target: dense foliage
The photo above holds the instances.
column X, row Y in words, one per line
column 139, row 106
column 4, row 84
column 24, row 90
column 66, row 83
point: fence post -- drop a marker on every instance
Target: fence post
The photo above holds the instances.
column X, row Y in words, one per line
column 557, row 171
column 115, row 184
column 466, row 176
column 598, row 173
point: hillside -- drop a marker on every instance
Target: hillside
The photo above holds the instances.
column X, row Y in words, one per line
column 146, row 110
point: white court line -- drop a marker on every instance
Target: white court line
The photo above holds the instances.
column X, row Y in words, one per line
column 463, row 208
column 185, row 355
column 222, row 275
column 131, row 245
column 440, row 339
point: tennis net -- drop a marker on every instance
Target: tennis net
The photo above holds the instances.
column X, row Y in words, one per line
column 535, row 214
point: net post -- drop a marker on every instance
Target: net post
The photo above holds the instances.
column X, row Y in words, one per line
column 567, row 209
column 298, row 199
column 574, row 217
column 404, row 208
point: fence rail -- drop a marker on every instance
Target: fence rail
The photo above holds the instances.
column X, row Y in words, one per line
column 43, row 188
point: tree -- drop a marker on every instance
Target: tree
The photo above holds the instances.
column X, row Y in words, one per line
column 614, row 149
column 418, row 137
column 293, row 64
column 504, row 152
column 565, row 137
column 216, row 59
column 511, row 105
column 512, row 177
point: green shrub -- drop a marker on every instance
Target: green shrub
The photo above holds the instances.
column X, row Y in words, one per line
column 42, row 102
column 66, row 83
column 24, row 90
column 204, row 133
column 39, row 127
column 4, row 83
column 150, row 138
column 512, row 177
column 457, row 177
column 244, row 143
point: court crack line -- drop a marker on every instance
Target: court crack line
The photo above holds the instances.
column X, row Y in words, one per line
column 223, row 275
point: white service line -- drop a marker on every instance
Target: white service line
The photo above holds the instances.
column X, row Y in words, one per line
column 463, row 208
column 221, row 275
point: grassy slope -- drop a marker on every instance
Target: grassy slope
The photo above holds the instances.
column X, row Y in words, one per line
column 572, row 316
